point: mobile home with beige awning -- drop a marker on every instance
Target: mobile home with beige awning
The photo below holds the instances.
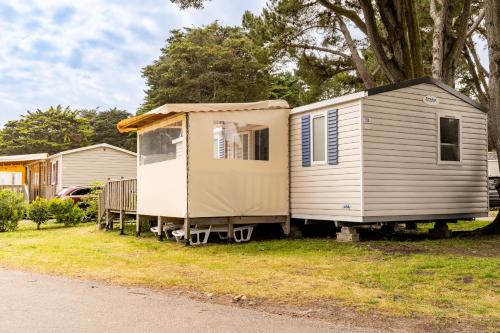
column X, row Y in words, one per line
column 205, row 164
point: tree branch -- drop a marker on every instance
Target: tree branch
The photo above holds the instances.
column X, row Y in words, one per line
column 320, row 48
column 358, row 61
column 481, row 94
column 482, row 72
column 476, row 23
column 350, row 14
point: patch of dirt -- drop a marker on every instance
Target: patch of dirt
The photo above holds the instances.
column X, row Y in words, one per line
column 335, row 313
column 399, row 248
column 418, row 247
column 487, row 252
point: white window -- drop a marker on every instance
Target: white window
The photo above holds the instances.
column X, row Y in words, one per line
column 241, row 146
column 11, row 178
column 240, row 141
column 318, row 134
column 54, row 173
column 449, row 133
column 161, row 144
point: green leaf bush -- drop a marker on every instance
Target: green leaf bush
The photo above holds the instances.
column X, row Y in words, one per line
column 38, row 212
column 90, row 202
column 12, row 209
column 66, row 212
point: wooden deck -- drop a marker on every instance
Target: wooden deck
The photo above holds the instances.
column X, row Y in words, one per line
column 117, row 200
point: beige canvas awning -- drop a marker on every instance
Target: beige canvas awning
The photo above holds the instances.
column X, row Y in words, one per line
column 164, row 111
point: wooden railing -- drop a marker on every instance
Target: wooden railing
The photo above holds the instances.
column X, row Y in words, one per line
column 117, row 197
column 23, row 189
column 121, row 195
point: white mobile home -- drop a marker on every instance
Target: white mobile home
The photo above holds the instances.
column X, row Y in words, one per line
column 80, row 167
column 213, row 163
column 412, row 151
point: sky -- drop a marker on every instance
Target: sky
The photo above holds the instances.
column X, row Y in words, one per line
column 89, row 53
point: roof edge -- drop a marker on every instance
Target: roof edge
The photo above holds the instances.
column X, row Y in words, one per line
column 329, row 102
column 429, row 80
column 99, row 145
column 164, row 111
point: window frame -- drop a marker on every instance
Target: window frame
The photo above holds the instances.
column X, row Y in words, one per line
column 312, row 116
column 230, row 144
column 252, row 144
column 162, row 125
column 460, row 137
column 54, row 169
column 249, row 145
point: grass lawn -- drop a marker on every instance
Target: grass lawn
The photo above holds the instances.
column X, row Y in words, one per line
column 443, row 279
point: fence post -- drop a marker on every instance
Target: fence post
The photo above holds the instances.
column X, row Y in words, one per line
column 122, row 203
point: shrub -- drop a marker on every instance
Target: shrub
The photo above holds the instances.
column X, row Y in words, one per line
column 90, row 202
column 66, row 212
column 76, row 215
column 12, row 209
column 38, row 211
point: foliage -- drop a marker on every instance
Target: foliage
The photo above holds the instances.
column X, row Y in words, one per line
column 38, row 211
column 103, row 124
column 12, row 209
column 207, row 65
column 50, row 131
column 66, row 212
column 90, row 202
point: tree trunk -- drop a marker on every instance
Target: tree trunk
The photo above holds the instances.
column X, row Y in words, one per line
column 493, row 28
column 439, row 18
column 38, row 226
column 448, row 38
column 388, row 65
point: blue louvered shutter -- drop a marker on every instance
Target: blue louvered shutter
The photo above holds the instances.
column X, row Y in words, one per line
column 333, row 137
column 306, row 141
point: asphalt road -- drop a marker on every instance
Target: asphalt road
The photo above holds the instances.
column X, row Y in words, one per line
column 38, row 303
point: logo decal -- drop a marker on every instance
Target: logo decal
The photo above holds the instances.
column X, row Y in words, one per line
column 431, row 100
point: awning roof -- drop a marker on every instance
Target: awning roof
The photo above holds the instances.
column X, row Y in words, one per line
column 22, row 159
column 164, row 111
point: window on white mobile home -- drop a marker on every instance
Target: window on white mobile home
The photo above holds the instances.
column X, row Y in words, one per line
column 449, row 139
column 318, row 139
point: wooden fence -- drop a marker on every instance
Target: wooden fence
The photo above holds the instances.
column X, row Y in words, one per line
column 117, row 199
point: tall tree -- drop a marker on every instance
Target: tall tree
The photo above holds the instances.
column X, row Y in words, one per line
column 493, row 33
column 103, row 125
column 49, row 131
column 209, row 64
column 395, row 34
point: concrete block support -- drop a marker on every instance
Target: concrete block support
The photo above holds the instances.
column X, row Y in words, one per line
column 440, row 230
column 348, row 234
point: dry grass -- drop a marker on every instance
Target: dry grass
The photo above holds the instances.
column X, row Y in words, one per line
column 454, row 278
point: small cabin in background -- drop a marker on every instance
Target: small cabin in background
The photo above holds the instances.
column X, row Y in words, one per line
column 13, row 171
column 213, row 164
column 79, row 167
column 411, row 151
